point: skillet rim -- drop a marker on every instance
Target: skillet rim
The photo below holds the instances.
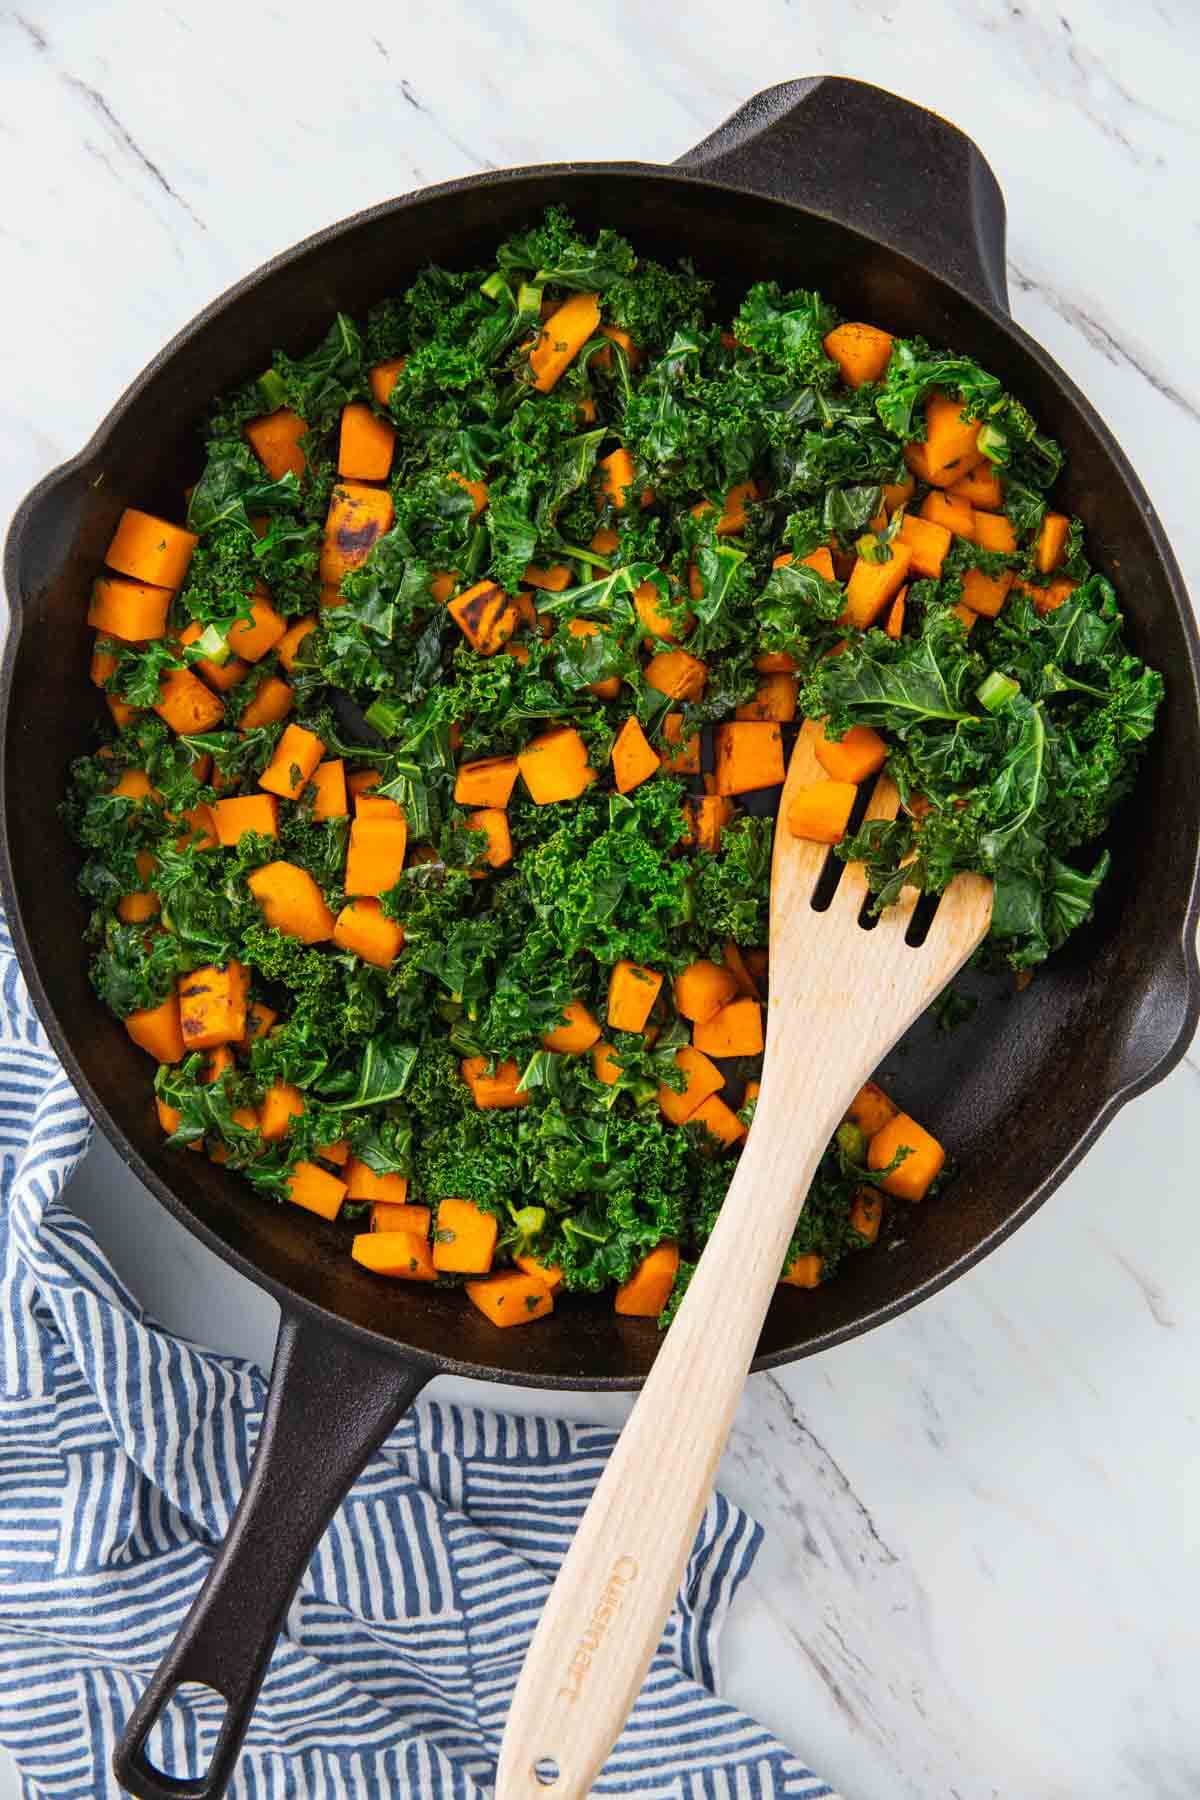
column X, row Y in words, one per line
column 289, row 1299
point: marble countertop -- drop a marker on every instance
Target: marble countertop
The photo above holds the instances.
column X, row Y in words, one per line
column 982, row 1566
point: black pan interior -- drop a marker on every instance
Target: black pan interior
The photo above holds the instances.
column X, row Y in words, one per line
column 1016, row 1093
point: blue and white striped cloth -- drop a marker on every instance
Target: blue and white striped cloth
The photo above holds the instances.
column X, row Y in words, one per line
column 122, row 1454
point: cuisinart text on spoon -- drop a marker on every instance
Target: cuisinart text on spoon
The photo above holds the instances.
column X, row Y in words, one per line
column 623, row 1571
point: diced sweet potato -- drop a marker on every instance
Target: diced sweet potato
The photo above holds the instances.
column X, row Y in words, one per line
column 856, row 757
column 293, row 762
column 271, row 703
column 775, row 698
column 872, row 586
column 634, row 758
column 610, row 686
column 156, row 1029
column 927, row 542
column 950, row 440
column 403, row 1254
column 578, row 1032
column 861, row 352
column 391, row 1191
column 871, row 1109
column 554, row 766
column 464, row 1238
column 186, row 704
column 702, row 989
column 486, row 616
column 384, row 377
column 994, row 531
column 495, row 1092
column 733, row 509
column 606, row 1065
column 511, row 1298
column 329, row 790
column 554, row 579
column 363, row 927
column 632, row 991
column 955, row 515
column 365, row 444
column 219, row 675
column 898, row 493
column 648, row 1289
column 133, row 611
column 316, row 1190
column 288, row 647
column 711, row 812
column 719, row 1120
column 562, row 337
column 736, row 1030
column 150, row 549
column 259, row 1020
column 803, row 1271
column 250, row 812
column 212, row 1005
column 749, row 755
column 252, row 638
column 478, row 490
column 291, row 901
column 912, row 1178
column 1051, row 542
column 677, row 674
column 820, row 810
column 375, row 858
column 281, row 1103
column 488, row 782
column 493, row 822
column 615, row 477
column 866, row 1213
column 986, row 594
column 549, row 1274
column 358, row 517
column 703, row 1080
column 981, row 487
column 275, row 440
column 683, row 756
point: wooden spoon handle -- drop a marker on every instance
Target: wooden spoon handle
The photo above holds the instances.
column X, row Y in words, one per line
column 605, row 1614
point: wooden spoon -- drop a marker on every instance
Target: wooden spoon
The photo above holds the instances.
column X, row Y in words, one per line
column 840, row 998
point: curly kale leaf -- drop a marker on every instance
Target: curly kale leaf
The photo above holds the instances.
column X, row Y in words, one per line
column 555, row 254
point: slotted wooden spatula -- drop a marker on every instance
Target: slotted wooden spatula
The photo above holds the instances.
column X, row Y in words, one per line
column 840, row 998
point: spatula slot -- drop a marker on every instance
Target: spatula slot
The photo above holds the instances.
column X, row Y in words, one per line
column 868, row 917
column 922, row 919
column 826, row 884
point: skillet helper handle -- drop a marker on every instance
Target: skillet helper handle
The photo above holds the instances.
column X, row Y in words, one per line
column 331, row 1403
column 892, row 170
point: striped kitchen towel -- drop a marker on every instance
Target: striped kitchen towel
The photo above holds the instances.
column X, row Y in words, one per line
column 122, row 1453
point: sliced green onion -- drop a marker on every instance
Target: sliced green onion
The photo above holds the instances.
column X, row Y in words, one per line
column 992, row 443
column 851, row 1141
column 211, row 645
column 270, row 386
column 996, row 690
column 873, row 549
column 530, row 1221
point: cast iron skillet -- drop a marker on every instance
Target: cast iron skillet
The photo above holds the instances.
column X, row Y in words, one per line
column 895, row 215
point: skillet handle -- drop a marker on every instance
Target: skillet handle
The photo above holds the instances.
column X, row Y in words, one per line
column 331, row 1403
column 875, row 162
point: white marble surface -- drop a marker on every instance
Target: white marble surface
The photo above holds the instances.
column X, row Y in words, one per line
column 982, row 1567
